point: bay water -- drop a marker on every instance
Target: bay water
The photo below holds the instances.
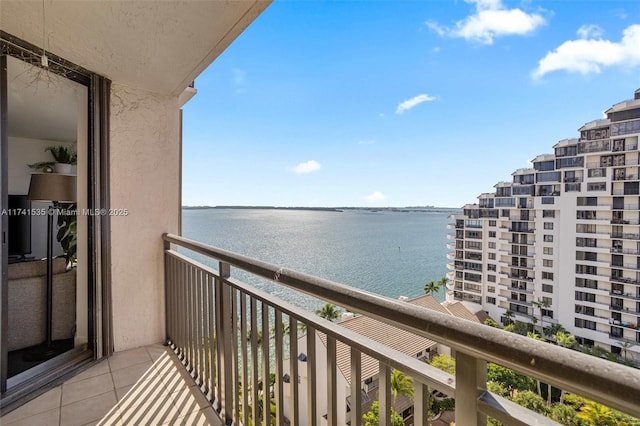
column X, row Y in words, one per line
column 391, row 253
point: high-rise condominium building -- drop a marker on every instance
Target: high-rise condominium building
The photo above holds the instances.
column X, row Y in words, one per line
column 560, row 242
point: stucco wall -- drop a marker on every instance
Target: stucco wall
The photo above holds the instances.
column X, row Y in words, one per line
column 145, row 164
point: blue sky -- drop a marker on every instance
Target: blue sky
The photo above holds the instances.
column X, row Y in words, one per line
column 400, row 103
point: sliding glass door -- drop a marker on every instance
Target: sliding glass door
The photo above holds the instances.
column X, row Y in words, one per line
column 54, row 254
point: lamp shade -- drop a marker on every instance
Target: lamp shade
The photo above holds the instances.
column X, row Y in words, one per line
column 53, row 187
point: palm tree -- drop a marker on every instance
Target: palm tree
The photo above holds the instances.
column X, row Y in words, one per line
column 401, row 385
column 553, row 330
column 329, row 312
column 433, row 287
column 625, row 345
column 258, row 336
column 541, row 304
column 286, row 330
column 508, row 316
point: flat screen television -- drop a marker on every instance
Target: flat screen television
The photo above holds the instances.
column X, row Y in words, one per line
column 19, row 226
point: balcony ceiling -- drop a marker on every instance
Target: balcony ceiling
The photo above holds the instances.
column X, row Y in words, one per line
column 158, row 46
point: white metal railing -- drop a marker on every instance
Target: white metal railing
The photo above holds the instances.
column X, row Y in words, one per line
column 214, row 323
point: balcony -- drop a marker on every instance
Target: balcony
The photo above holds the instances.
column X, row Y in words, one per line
column 625, row 207
column 620, row 293
column 213, row 324
column 145, row 385
column 195, row 308
column 625, row 236
column 624, row 280
column 624, row 222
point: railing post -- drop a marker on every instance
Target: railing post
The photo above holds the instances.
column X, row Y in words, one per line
column 471, row 379
column 421, row 401
column 166, row 246
column 223, row 336
column 332, row 403
column 356, row 387
column 384, row 394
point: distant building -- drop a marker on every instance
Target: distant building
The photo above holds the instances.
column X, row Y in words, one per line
column 393, row 337
column 560, row 242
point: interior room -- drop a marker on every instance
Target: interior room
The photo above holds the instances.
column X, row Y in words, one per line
column 47, row 150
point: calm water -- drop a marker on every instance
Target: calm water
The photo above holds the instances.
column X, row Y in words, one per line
column 389, row 253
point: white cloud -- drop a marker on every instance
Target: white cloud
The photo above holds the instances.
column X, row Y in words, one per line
column 375, row 197
column 491, row 20
column 590, row 31
column 416, row 100
column 586, row 56
column 620, row 14
column 436, row 49
column 307, row 167
column 436, row 28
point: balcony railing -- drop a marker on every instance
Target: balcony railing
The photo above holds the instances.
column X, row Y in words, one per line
column 214, row 323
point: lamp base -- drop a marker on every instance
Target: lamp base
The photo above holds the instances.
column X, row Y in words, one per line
column 44, row 352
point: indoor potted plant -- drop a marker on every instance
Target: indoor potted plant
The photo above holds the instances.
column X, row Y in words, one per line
column 64, row 157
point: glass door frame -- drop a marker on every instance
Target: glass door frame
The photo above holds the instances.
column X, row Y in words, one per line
column 100, row 342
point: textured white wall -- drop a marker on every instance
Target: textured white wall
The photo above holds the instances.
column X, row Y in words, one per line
column 145, row 165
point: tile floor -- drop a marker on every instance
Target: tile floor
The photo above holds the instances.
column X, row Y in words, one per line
column 143, row 386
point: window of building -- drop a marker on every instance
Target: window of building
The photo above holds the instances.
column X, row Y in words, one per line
column 581, row 323
column 587, row 255
column 586, row 242
column 548, row 225
column 586, row 214
column 492, row 245
column 586, row 228
column 473, row 223
column 474, row 245
column 599, row 172
column 586, row 283
column 547, row 313
column 597, row 186
column 474, row 234
column 547, row 288
column 586, row 269
column 587, row 201
column 547, row 262
column 518, row 308
column 491, row 267
column 491, row 278
column 491, row 289
column 491, row 300
column 586, row 297
column 547, row 250
column 569, row 162
column 544, row 165
column 548, row 238
column 548, row 213
column 547, row 300
column 492, row 223
column 491, row 256
column 492, row 234
column 547, row 276
column 585, row 310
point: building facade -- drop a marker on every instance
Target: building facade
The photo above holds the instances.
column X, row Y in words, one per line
column 560, row 242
